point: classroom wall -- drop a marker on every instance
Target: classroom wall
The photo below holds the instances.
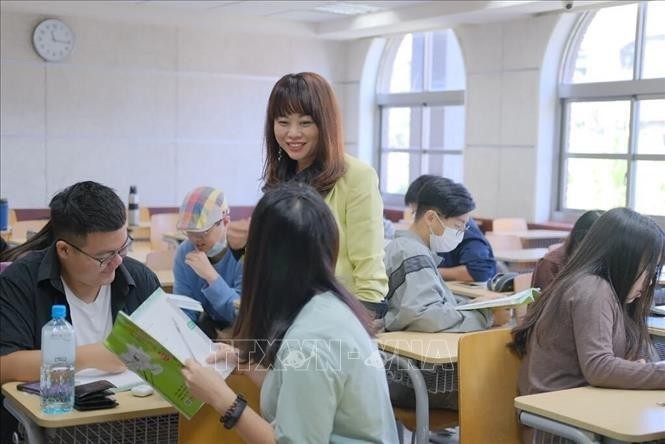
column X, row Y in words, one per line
column 162, row 107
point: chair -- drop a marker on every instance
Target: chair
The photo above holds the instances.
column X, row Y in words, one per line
column 12, row 217
column 521, row 282
column 487, row 378
column 160, row 224
column 205, row 428
column 160, row 260
column 144, row 214
column 503, row 242
column 509, row 224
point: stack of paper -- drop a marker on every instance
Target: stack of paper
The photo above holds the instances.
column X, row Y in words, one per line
column 185, row 302
column 521, row 298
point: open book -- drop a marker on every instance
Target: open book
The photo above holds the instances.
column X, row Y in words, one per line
column 523, row 297
column 155, row 341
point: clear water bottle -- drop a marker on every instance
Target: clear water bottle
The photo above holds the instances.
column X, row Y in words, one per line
column 133, row 216
column 58, row 360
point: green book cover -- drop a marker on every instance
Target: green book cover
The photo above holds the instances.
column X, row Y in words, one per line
column 153, row 362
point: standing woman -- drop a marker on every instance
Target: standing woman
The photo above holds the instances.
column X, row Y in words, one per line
column 305, row 143
column 325, row 380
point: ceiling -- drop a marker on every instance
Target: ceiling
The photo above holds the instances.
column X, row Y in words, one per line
column 302, row 17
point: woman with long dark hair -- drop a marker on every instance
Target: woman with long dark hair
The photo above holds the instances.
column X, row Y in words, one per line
column 549, row 266
column 303, row 337
column 304, row 143
column 589, row 325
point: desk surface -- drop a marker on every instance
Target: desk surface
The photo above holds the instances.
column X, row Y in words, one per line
column 431, row 348
column 526, row 255
column 129, row 407
column 474, row 290
column 165, row 277
column 656, row 325
column 535, row 234
column 625, row 415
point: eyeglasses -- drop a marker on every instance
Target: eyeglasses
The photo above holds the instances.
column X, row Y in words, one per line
column 460, row 230
column 201, row 234
column 104, row 261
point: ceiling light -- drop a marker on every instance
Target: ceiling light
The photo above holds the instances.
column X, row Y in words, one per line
column 344, row 8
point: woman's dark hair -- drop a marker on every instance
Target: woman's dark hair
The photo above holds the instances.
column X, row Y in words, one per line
column 76, row 211
column 444, row 196
column 291, row 256
column 580, row 229
column 620, row 246
column 308, row 94
column 411, row 196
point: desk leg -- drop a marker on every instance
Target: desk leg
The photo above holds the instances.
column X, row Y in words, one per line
column 422, row 399
column 559, row 429
column 35, row 433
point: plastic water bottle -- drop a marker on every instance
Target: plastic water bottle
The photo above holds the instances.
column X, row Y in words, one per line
column 133, row 216
column 58, row 360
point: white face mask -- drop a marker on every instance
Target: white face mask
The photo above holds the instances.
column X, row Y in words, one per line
column 216, row 248
column 448, row 241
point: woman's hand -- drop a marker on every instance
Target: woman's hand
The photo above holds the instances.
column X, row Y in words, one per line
column 237, row 233
column 205, row 384
column 224, row 353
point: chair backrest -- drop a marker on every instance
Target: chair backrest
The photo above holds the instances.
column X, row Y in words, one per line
column 487, row 375
column 12, row 217
column 144, row 214
column 503, row 242
column 22, row 228
column 509, row 224
column 160, row 260
column 160, row 224
column 205, row 428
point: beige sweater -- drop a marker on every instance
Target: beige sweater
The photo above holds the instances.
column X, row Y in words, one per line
column 587, row 346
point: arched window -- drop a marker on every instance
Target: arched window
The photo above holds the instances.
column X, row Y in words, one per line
column 612, row 91
column 421, row 102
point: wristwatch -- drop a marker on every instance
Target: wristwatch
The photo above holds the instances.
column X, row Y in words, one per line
column 233, row 413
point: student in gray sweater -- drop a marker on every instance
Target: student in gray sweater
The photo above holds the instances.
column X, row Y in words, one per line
column 589, row 325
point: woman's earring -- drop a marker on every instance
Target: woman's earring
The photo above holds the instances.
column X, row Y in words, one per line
column 279, row 154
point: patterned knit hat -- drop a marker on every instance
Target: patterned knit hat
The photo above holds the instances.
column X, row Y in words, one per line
column 201, row 209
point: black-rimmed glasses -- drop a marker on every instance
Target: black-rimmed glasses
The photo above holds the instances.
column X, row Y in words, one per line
column 104, row 261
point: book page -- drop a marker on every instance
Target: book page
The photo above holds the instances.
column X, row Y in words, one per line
column 523, row 297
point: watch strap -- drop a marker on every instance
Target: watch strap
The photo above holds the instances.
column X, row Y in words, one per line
column 232, row 415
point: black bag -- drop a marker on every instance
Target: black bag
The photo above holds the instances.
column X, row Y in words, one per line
column 502, row 282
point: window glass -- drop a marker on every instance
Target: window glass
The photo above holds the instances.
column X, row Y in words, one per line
column 595, row 183
column 607, row 49
column 651, row 136
column 598, row 127
column 654, row 41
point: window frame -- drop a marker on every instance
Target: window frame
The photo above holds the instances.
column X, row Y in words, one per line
column 424, row 100
column 633, row 91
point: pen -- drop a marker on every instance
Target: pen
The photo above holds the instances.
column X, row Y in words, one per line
column 191, row 353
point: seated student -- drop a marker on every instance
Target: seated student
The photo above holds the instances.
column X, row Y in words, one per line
column 589, row 326
column 549, row 266
column 418, row 298
column 204, row 269
column 472, row 260
column 83, row 268
column 325, row 380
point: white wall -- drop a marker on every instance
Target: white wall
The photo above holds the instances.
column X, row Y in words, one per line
column 161, row 107
column 504, row 110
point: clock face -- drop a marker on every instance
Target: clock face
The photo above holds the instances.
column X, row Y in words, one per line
column 53, row 40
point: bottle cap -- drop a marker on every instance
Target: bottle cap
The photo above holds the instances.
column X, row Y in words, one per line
column 58, row 311
column 132, row 188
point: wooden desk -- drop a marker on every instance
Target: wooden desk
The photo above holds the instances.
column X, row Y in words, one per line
column 140, row 231
column 656, row 325
column 27, row 410
column 527, row 255
column 537, row 238
column 430, row 348
column 473, row 290
column 166, row 279
column 624, row 415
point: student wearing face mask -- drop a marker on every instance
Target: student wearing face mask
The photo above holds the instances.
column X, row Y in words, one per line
column 204, row 269
column 418, row 299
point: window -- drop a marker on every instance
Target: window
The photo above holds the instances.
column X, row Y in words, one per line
column 612, row 93
column 421, row 106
